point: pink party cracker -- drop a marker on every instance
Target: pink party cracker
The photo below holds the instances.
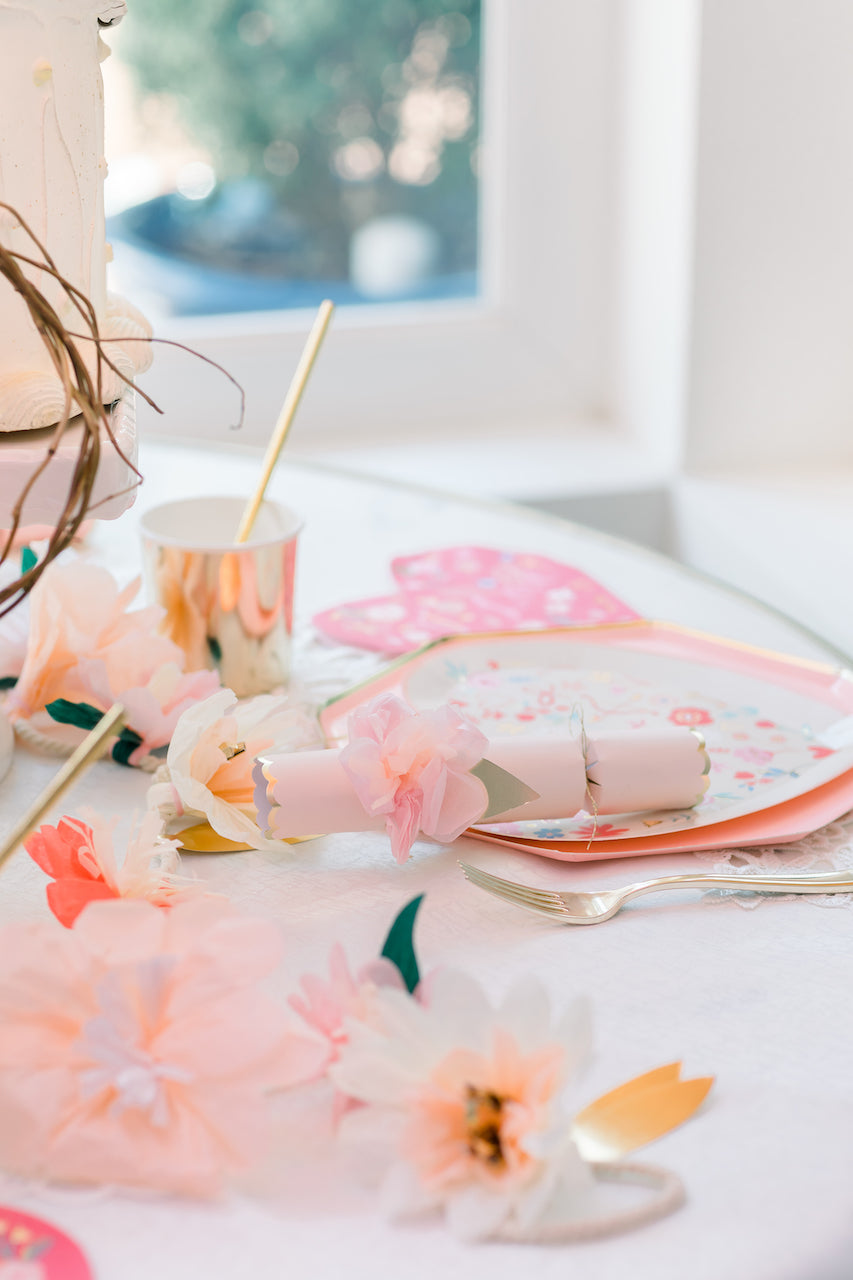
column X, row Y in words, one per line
column 459, row 590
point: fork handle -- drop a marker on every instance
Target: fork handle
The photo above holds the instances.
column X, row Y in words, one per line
column 795, row 882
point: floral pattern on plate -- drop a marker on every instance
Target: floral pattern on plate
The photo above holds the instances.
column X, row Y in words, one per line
column 749, row 751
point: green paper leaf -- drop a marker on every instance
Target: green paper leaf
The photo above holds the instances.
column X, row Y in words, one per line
column 128, row 741
column 215, row 648
column 125, row 747
column 29, row 559
column 8, row 682
column 84, row 716
column 399, row 946
column 80, row 714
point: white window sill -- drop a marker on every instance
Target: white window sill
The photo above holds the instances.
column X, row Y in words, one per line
column 539, row 464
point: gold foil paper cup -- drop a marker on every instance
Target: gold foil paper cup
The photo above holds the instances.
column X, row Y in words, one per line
column 228, row 606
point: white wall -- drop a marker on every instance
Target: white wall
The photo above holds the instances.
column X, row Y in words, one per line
column 771, row 374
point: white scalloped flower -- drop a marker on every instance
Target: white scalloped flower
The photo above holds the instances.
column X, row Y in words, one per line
column 464, row 1103
column 202, row 779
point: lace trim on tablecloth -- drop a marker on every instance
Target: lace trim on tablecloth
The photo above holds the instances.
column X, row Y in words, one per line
column 829, row 849
column 323, row 669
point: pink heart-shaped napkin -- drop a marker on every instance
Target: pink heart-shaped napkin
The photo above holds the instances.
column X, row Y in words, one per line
column 458, row 590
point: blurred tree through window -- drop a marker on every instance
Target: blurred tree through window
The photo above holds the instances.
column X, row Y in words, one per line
column 337, row 151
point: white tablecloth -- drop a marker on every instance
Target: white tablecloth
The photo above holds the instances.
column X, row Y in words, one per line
column 759, row 999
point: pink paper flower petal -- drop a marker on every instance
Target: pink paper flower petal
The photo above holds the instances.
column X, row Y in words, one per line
column 413, row 767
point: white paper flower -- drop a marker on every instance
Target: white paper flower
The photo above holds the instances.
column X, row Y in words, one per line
column 202, row 778
column 465, row 1100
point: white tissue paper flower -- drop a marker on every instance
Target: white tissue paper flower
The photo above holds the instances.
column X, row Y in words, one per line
column 208, row 770
column 462, row 1104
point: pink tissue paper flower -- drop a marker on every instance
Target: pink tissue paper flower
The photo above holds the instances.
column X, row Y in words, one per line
column 413, row 768
column 328, row 1004
column 86, row 645
column 154, row 705
column 138, row 1047
column 464, row 1100
column 80, row 858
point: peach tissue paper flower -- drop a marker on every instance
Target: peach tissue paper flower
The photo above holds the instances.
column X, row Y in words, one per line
column 413, row 768
column 86, row 645
column 79, row 856
column 138, row 1047
column 464, row 1101
column 208, row 770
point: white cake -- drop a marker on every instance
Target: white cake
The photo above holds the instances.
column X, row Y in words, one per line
column 52, row 170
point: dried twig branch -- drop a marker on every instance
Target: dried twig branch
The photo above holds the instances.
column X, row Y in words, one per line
column 83, row 401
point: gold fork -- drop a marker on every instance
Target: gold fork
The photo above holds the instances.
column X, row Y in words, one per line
column 601, row 904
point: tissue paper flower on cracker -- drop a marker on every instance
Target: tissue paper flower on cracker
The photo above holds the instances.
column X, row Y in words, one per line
column 208, row 770
column 137, row 1048
column 465, row 1099
column 413, row 769
column 79, row 855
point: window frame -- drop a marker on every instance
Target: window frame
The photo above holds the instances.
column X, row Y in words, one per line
column 535, row 348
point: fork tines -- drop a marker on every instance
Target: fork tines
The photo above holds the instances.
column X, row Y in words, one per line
column 546, row 901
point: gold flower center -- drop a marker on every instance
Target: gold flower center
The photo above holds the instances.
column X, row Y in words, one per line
column 483, row 1125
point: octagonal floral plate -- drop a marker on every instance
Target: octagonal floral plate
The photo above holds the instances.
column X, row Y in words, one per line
column 772, row 723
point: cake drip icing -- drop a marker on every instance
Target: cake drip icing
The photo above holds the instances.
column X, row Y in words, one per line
column 52, row 172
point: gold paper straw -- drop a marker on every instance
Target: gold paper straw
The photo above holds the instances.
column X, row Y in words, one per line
column 92, row 746
column 286, row 416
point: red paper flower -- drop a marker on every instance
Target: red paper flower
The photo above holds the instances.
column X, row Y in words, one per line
column 82, row 864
